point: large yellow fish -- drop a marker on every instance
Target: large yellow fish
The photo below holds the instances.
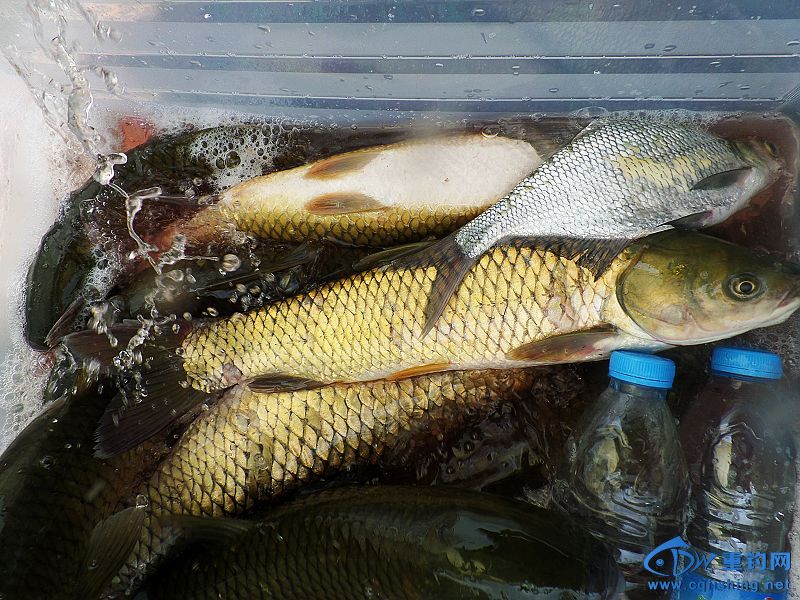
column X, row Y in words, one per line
column 376, row 196
column 517, row 307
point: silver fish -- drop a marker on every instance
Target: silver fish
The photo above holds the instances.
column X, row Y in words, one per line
column 617, row 181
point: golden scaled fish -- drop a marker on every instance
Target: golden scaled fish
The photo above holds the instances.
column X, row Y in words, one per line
column 376, row 196
column 255, row 446
column 518, row 306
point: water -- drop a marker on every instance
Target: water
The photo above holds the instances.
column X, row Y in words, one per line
column 623, row 475
column 740, row 448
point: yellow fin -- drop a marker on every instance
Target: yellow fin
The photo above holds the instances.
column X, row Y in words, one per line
column 335, row 166
column 567, row 347
column 340, row 203
column 419, row 370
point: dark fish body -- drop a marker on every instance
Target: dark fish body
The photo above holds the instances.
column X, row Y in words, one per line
column 392, row 543
column 54, row 493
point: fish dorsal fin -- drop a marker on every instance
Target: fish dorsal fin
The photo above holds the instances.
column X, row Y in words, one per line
column 342, row 203
column 567, row 347
column 282, row 383
column 110, row 544
column 336, row 166
column 723, row 180
column 419, row 370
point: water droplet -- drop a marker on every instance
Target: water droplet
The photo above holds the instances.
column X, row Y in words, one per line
column 206, row 16
column 478, row 12
column 212, row 312
column 793, row 43
column 553, row 90
column 649, row 46
column 142, row 501
column 669, row 48
column 46, row 462
column 491, row 131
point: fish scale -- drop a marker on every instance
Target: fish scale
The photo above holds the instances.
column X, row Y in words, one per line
column 363, row 328
column 254, row 446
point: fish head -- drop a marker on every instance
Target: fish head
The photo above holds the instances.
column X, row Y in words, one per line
column 685, row 288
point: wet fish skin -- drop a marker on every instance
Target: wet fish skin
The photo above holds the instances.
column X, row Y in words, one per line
column 55, row 492
column 394, row 542
column 620, row 180
column 376, row 196
column 251, row 447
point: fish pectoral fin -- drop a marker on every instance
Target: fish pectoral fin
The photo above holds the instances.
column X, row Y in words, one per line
column 110, row 544
column 63, row 326
column 342, row 203
column 336, row 166
column 593, row 254
column 724, row 179
column 419, row 370
column 282, row 383
column 451, row 264
column 567, row 347
column 690, row 222
column 383, row 257
column 189, row 530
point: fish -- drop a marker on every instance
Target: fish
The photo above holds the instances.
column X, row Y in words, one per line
column 617, row 181
column 375, row 196
column 253, row 447
column 88, row 250
column 60, row 536
column 390, row 542
column 519, row 306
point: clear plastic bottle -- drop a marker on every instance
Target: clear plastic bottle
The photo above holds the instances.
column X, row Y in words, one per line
column 740, row 453
column 624, row 475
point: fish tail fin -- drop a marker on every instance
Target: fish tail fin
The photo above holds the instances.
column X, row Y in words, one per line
column 154, row 393
column 451, row 263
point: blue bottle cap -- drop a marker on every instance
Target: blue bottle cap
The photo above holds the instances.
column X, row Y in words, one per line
column 746, row 362
column 642, row 369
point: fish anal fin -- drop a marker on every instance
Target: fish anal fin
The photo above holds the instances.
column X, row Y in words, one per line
column 336, row 166
column 567, row 347
column 342, row 203
column 419, row 370
column 722, row 180
column 110, row 544
column 282, row 383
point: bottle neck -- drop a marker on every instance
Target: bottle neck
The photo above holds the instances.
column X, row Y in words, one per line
column 640, row 391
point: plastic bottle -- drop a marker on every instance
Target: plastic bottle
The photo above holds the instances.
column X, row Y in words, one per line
column 740, row 454
column 624, row 475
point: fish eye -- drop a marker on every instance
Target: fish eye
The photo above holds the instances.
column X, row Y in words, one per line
column 744, row 286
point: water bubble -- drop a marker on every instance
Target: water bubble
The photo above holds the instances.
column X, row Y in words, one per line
column 649, row 46
column 212, row 312
column 793, row 43
column 142, row 501
column 478, row 12
column 46, row 462
column 669, row 48
column 553, row 90
column 207, row 16
column 491, row 131
column 230, row 263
